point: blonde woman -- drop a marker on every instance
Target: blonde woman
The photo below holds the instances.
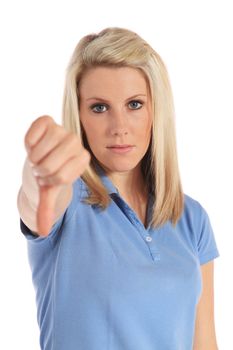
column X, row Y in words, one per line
column 121, row 258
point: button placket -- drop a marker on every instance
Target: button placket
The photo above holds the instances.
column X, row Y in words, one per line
column 144, row 233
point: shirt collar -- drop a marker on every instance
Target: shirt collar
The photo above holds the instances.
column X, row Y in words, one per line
column 105, row 179
column 113, row 190
column 108, row 183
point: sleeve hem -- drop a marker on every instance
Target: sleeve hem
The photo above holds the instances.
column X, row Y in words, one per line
column 65, row 216
column 209, row 256
column 33, row 237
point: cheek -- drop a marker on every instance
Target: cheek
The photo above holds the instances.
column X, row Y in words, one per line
column 144, row 129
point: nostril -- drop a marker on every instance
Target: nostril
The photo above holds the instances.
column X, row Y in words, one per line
column 119, row 132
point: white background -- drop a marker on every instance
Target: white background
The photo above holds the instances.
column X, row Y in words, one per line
column 194, row 38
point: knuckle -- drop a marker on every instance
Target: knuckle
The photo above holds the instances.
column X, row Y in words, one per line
column 45, row 118
column 57, row 128
column 36, row 124
column 56, row 132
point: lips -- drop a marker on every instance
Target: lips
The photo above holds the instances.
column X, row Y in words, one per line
column 120, row 146
column 120, row 149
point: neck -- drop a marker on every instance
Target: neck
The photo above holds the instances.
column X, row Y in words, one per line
column 129, row 183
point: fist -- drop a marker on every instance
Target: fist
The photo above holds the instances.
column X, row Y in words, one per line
column 57, row 158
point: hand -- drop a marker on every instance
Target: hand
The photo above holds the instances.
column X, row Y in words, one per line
column 57, row 158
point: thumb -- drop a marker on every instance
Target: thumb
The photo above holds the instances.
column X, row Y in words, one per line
column 46, row 208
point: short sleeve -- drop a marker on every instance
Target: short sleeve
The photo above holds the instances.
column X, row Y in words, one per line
column 29, row 235
column 57, row 226
column 206, row 243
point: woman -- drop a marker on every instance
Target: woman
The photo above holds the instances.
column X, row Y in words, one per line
column 121, row 258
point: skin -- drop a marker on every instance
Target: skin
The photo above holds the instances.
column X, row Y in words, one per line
column 121, row 120
column 205, row 335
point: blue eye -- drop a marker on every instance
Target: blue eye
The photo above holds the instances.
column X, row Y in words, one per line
column 133, row 102
column 98, row 110
column 98, row 107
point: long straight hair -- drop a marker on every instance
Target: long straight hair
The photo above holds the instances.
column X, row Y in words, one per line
column 121, row 47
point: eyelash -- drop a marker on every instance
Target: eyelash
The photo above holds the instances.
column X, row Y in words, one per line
column 102, row 104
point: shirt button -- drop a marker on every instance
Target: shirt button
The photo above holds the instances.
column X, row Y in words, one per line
column 148, row 239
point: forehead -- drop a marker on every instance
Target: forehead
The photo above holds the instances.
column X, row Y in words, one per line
column 99, row 80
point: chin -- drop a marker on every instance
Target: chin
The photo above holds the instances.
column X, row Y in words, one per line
column 119, row 166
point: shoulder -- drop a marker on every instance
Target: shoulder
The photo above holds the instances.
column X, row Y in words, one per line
column 191, row 203
column 195, row 218
column 197, row 222
column 193, row 209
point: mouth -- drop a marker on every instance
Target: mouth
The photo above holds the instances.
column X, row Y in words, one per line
column 120, row 148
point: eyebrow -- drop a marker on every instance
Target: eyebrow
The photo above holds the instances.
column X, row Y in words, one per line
column 104, row 100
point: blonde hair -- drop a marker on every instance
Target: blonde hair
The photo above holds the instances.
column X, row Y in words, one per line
column 120, row 47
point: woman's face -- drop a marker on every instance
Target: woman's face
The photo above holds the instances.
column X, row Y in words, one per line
column 115, row 109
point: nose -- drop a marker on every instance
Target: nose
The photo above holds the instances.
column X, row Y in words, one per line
column 118, row 124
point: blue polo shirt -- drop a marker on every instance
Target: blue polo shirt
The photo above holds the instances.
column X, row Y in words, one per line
column 105, row 282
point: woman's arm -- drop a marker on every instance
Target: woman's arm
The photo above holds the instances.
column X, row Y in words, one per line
column 28, row 199
column 205, row 337
column 58, row 159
